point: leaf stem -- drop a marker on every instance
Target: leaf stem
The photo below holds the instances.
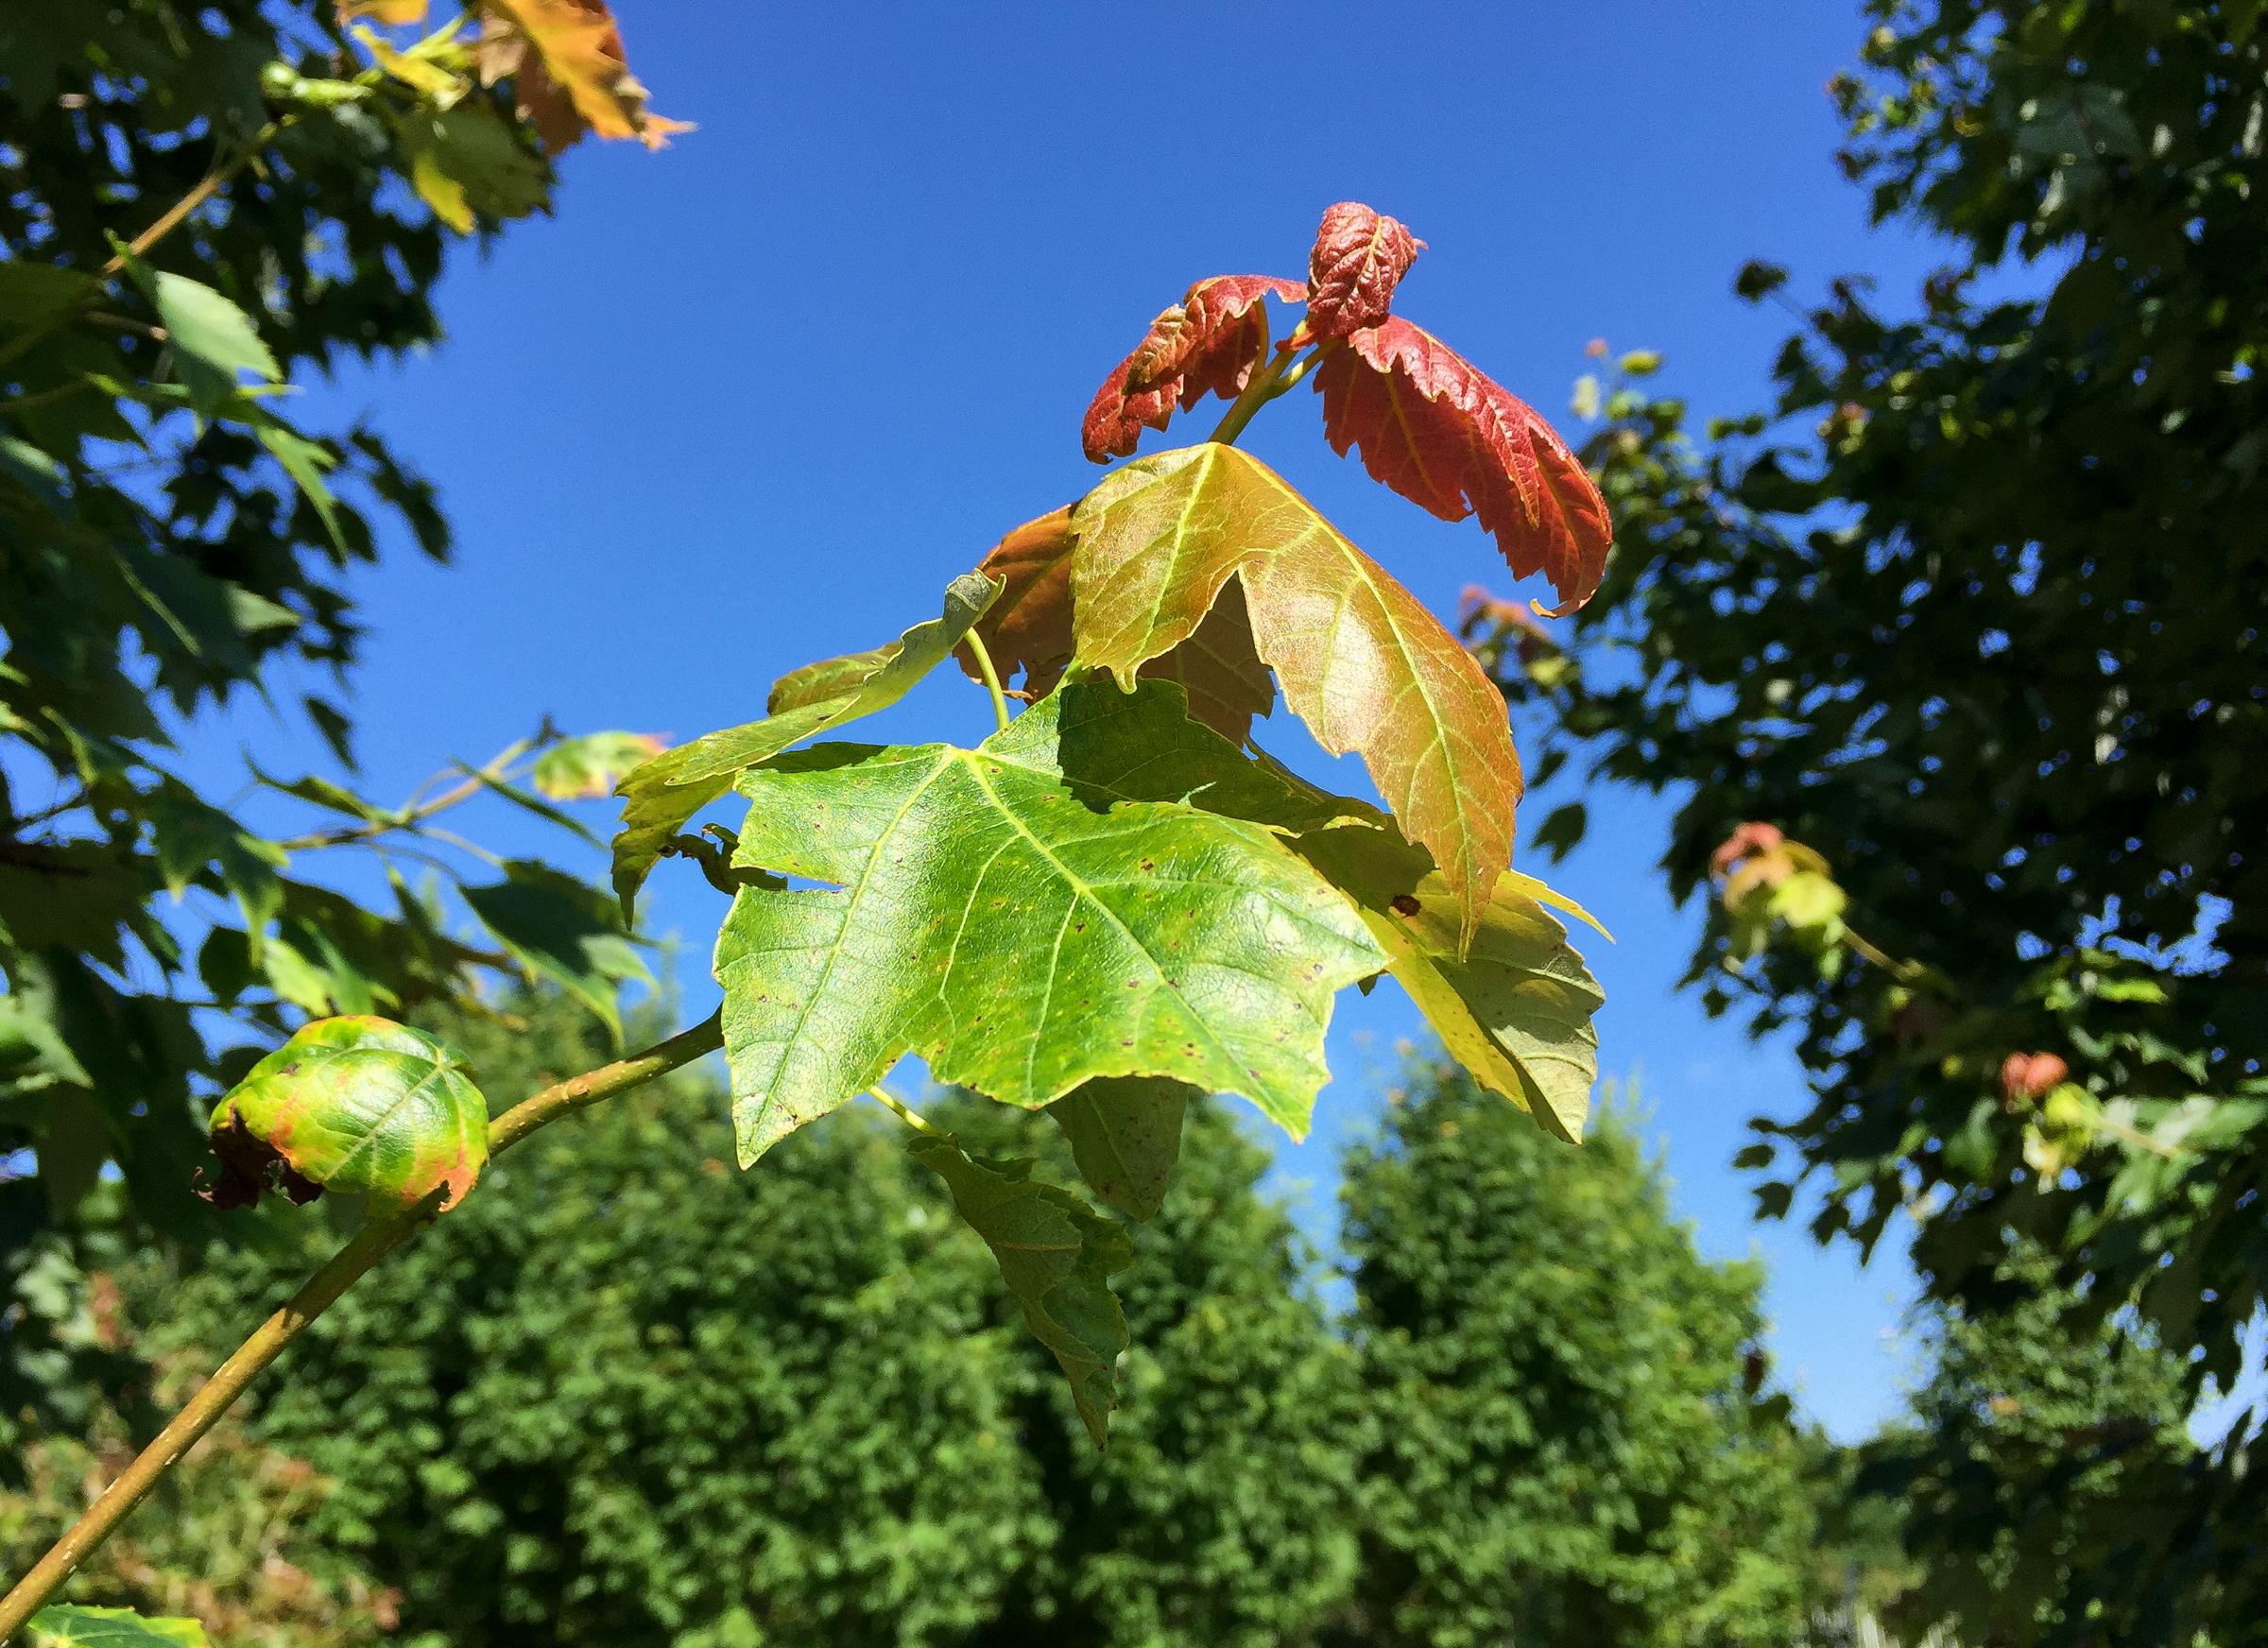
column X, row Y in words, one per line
column 369, row 1245
column 905, row 1112
column 1280, row 375
column 415, row 813
column 975, row 643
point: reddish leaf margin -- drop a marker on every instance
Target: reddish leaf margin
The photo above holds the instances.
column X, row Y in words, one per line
column 1206, row 344
column 1451, row 439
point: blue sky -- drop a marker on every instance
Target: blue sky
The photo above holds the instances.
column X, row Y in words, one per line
column 752, row 401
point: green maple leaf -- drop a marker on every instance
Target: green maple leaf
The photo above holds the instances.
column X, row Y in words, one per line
column 1126, row 1133
column 1009, row 916
column 661, row 795
column 1056, row 1254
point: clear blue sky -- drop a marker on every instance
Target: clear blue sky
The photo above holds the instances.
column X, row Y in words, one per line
column 752, row 401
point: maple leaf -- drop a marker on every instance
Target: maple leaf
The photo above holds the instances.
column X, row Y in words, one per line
column 1515, row 1007
column 1007, row 916
column 1058, row 1257
column 1029, row 629
column 1447, row 437
column 1206, row 344
column 565, row 60
column 395, row 13
column 1124, row 1133
column 1359, row 258
column 1360, row 659
column 660, row 795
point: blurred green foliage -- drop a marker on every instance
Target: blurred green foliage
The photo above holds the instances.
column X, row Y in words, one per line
column 627, row 1394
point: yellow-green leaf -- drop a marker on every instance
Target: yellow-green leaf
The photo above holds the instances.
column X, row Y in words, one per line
column 1360, row 659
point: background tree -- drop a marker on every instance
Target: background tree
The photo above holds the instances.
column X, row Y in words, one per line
column 642, row 1397
column 1972, row 622
column 202, row 202
column 2030, row 1476
column 1569, row 1439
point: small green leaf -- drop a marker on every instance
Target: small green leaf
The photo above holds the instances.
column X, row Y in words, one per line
column 191, row 835
column 660, row 796
column 465, row 161
column 587, row 767
column 65, row 1625
column 1126, row 1135
column 211, row 338
column 1056, row 1254
column 353, row 1103
column 1009, row 916
column 561, row 930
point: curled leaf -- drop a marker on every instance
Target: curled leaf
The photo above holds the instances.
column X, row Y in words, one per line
column 1450, row 439
column 1206, row 344
column 352, row 1103
column 589, row 766
column 1056, row 1254
column 1029, row 629
column 1360, row 659
column 1359, row 258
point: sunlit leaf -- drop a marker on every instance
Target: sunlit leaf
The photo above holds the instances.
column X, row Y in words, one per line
column 660, row 795
column 353, row 1103
column 192, row 836
column 1358, row 259
column 1515, row 1009
column 1056, row 1254
column 212, row 340
column 1207, row 344
column 1003, row 914
column 587, row 767
column 1029, row 629
column 1444, row 435
column 565, row 60
column 1360, row 659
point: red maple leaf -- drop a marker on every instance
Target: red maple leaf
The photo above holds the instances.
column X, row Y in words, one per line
column 1360, row 257
column 1206, row 344
column 1446, row 435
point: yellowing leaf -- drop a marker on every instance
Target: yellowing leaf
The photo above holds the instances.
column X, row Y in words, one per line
column 660, row 795
column 1515, row 1009
column 1005, row 914
column 1029, row 628
column 353, row 1103
column 1360, row 659
column 565, row 60
column 393, row 13
column 586, row 768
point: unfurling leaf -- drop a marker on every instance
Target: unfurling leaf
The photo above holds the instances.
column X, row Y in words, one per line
column 1515, row 1009
column 1029, row 628
column 565, row 60
column 1437, row 430
column 1206, row 344
column 1360, row 659
column 352, row 1103
column 1126, row 1135
column 660, row 795
column 1056, row 1254
column 564, row 932
column 1008, row 915
column 66, row 1625
column 587, row 767
column 1359, row 258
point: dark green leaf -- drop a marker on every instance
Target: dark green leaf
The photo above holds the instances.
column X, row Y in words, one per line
column 1126, row 1135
